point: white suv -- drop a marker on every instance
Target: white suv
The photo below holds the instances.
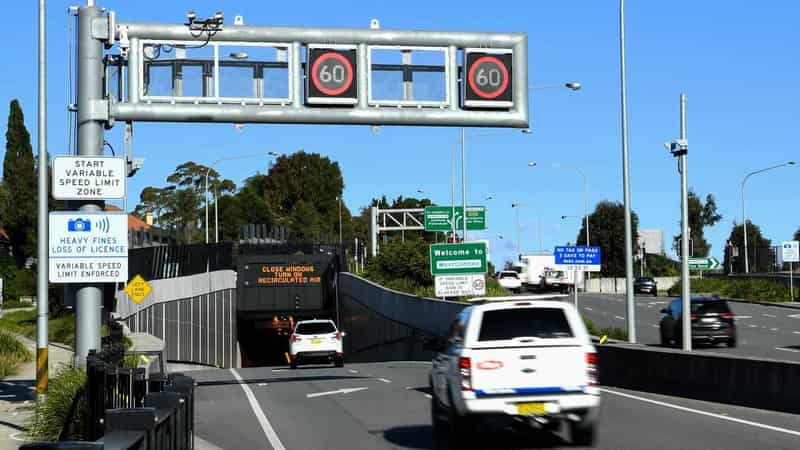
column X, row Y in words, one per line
column 509, row 279
column 528, row 361
column 316, row 341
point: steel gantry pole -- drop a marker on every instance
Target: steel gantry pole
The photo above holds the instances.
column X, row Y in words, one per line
column 42, row 301
column 744, row 211
column 88, row 297
column 631, row 309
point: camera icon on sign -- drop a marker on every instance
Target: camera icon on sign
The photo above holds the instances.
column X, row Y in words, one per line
column 79, row 225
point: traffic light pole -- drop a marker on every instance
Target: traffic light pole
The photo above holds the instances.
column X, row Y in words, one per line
column 88, row 297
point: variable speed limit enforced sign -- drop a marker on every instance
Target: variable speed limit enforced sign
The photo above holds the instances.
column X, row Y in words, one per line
column 488, row 78
column 331, row 75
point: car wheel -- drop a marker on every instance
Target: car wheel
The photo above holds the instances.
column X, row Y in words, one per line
column 458, row 429
column 732, row 342
column 437, row 415
column 338, row 361
column 293, row 365
column 655, row 293
column 583, row 433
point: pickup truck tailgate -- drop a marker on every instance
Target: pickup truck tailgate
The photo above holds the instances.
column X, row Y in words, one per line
column 528, row 370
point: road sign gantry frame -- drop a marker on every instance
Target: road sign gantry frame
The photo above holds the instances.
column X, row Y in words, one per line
column 131, row 38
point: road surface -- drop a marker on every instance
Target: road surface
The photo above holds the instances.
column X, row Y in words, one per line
column 763, row 331
column 386, row 406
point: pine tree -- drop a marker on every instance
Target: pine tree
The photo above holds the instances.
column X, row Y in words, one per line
column 18, row 200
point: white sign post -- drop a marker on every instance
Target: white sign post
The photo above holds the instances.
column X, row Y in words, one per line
column 88, row 247
column 89, row 178
column 791, row 254
column 460, row 285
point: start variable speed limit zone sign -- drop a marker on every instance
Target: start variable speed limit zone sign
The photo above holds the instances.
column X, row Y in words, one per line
column 331, row 77
column 488, row 78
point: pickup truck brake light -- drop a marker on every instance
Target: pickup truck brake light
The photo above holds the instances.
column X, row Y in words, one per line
column 465, row 369
column 591, row 368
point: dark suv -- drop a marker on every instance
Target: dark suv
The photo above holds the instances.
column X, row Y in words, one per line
column 712, row 322
column 645, row 285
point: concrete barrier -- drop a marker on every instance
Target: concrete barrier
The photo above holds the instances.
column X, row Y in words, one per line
column 751, row 382
column 617, row 285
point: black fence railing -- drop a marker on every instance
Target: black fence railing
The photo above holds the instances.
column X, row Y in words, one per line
column 129, row 407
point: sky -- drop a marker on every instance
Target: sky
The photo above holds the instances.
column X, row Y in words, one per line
column 735, row 60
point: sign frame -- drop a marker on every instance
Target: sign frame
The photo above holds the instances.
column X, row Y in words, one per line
column 576, row 258
column 502, row 100
column 330, row 98
column 479, row 249
column 108, row 222
column 54, row 178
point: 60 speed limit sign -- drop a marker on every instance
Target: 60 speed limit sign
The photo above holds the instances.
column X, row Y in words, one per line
column 331, row 75
column 488, row 78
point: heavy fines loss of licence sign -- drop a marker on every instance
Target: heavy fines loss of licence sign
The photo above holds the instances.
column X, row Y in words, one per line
column 88, row 178
column 88, row 247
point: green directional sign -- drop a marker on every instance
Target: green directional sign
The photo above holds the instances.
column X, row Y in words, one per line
column 439, row 218
column 456, row 259
column 704, row 263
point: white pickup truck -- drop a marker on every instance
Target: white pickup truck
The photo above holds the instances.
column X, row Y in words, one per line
column 524, row 361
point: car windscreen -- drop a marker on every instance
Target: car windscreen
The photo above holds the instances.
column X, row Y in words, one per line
column 555, row 274
column 507, row 324
column 644, row 280
column 710, row 307
column 508, row 275
column 315, row 328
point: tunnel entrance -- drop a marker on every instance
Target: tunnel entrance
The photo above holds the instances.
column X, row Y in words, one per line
column 264, row 341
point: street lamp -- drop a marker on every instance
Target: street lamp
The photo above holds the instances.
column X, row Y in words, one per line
column 208, row 171
column 744, row 213
column 572, row 85
column 239, row 55
column 489, row 197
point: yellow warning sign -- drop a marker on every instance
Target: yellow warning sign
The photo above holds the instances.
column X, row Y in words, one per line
column 138, row 289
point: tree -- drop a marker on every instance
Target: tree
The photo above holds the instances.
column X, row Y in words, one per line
column 701, row 215
column 607, row 230
column 759, row 249
column 406, row 261
column 797, row 235
column 18, row 195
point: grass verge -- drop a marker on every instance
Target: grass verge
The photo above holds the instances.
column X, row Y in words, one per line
column 61, row 329
column 612, row 332
column 61, row 405
column 756, row 290
column 12, row 354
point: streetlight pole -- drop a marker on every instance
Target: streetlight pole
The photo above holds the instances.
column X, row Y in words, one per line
column 42, row 302
column 208, row 171
column 744, row 211
column 631, row 308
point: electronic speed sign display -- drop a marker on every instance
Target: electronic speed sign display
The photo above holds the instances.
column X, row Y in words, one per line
column 331, row 75
column 487, row 78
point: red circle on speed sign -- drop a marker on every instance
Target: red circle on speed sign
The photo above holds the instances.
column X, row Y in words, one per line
column 479, row 88
column 340, row 86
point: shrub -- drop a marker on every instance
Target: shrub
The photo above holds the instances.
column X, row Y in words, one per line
column 61, row 329
column 64, row 402
column 612, row 332
column 12, row 354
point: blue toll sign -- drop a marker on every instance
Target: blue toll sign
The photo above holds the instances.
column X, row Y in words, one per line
column 578, row 257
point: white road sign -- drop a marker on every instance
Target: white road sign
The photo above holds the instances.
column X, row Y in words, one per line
column 88, row 247
column 460, row 285
column 88, row 178
column 790, row 251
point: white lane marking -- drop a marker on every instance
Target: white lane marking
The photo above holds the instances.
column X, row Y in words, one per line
column 619, row 317
column 353, row 371
column 769, row 315
column 794, row 316
column 773, row 329
column 269, row 432
column 280, row 370
column 428, row 396
column 753, row 326
column 787, row 349
column 654, row 326
column 384, row 380
column 743, row 317
column 704, row 413
column 587, row 308
column 795, row 332
column 338, row 391
column 261, row 384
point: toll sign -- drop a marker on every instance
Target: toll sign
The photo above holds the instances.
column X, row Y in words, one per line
column 331, row 75
column 488, row 78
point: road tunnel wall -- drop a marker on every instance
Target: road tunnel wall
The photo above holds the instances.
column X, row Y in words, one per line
column 386, row 325
column 194, row 315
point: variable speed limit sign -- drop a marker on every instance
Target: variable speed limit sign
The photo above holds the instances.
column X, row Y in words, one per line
column 488, row 78
column 331, row 75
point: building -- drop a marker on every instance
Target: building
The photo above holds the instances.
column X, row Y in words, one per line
column 652, row 240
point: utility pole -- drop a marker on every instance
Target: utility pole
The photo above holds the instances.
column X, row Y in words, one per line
column 89, row 297
column 626, row 188
column 679, row 149
column 42, row 301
